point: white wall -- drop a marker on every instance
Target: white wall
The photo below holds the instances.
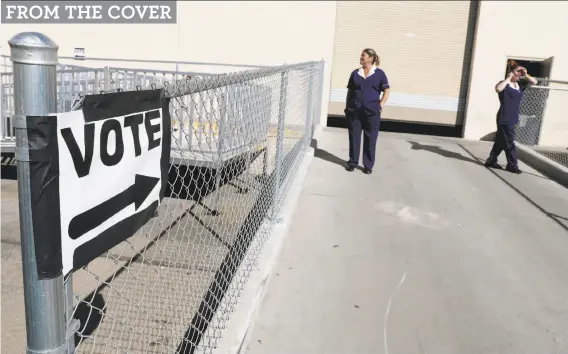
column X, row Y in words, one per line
column 240, row 32
column 532, row 29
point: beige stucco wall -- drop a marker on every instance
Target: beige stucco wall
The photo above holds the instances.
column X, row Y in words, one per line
column 247, row 32
column 531, row 29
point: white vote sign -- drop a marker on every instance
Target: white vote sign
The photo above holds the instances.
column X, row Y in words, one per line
column 109, row 170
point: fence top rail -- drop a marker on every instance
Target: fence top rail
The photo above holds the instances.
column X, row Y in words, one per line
column 71, row 70
column 165, row 62
column 148, row 71
column 143, row 71
column 76, row 71
column 553, row 88
column 186, row 87
column 156, row 61
column 553, row 81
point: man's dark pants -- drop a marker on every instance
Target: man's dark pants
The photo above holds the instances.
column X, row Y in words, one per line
column 505, row 140
column 368, row 122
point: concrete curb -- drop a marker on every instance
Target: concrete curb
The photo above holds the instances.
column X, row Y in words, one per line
column 543, row 164
column 236, row 335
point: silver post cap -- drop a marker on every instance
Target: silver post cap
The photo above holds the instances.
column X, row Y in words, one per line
column 33, row 48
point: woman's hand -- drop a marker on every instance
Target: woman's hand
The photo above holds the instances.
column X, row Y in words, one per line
column 532, row 80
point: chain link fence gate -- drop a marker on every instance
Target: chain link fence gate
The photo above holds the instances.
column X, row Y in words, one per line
column 237, row 140
column 543, row 123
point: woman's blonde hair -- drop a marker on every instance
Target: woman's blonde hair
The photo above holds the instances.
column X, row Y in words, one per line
column 512, row 65
column 371, row 52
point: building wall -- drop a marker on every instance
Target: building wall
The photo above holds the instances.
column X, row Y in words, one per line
column 253, row 33
column 425, row 49
column 520, row 29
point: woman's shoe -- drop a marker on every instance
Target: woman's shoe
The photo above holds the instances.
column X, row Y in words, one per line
column 513, row 169
column 493, row 164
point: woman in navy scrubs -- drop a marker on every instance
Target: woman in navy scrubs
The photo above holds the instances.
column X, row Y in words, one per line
column 510, row 94
column 363, row 109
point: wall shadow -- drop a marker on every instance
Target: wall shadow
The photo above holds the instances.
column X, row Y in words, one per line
column 442, row 152
column 489, row 137
column 394, row 126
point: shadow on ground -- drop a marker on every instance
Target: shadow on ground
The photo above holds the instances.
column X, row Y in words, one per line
column 159, row 258
column 325, row 155
column 438, row 150
column 232, row 260
column 187, row 269
column 560, row 220
column 9, row 170
column 404, row 127
column 454, row 155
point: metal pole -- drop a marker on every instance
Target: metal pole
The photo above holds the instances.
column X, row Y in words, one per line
column 280, row 140
column 222, row 102
column 317, row 118
column 34, row 58
column 309, row 114
column 107, row 79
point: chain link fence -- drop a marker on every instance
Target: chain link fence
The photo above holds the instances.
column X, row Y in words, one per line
column 543, row 123
column 237, row 141
column 237, row 138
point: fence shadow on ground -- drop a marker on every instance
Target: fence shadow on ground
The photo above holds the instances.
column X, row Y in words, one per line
column 232, row 261
column 9, row 170
column 325, row 155
column 195, row 184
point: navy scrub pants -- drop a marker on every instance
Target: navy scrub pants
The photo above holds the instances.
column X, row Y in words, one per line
column 505, row 140
column 362, row 120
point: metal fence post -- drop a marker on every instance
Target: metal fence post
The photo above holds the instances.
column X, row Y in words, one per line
column 34, row 58
column 222, row 105
column 309, row 113
column 107, row 79
column 317, row 118
column 280, row 140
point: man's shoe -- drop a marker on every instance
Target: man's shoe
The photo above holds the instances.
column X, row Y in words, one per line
column 367, row 171
column 493, row 164
column 349, row 168
column 513, row 169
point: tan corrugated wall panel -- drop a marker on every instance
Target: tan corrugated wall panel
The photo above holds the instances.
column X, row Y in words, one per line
column 421, row 44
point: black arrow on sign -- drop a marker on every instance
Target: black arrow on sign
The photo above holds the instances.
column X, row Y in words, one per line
column 136, row 193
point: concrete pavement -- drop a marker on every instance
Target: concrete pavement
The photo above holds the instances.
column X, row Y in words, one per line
column 433, row 253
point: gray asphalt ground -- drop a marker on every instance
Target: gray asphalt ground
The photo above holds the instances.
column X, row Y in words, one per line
column 432, row 253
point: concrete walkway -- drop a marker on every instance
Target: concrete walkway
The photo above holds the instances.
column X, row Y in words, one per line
column 432, row 253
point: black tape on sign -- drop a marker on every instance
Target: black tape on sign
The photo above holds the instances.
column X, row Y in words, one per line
column 109, row 105
column 44, row 193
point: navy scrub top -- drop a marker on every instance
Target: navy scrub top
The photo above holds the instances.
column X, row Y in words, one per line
column 510, row 108
column 365, row 92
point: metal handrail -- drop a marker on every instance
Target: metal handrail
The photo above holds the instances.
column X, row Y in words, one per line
column 153, row 71
column 156, row 61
